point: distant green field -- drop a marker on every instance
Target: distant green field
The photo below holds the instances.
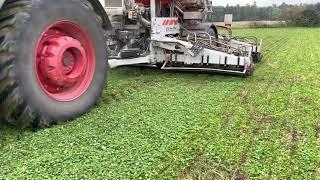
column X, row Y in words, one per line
column 151, row 124
column 255, row 24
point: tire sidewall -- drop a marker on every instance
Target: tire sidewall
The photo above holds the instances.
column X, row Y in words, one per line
column 44, row 13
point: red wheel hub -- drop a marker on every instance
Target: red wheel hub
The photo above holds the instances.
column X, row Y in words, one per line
column 64, row 61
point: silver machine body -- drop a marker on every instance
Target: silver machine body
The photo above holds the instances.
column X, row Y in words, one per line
column 175, row 38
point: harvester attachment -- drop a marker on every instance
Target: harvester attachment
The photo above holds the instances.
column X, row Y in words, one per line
column 203, row 52
column 174, row 36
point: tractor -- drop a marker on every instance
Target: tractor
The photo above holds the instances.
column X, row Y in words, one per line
column 55, row 54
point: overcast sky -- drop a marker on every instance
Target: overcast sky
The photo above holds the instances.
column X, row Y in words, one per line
column 260, row 2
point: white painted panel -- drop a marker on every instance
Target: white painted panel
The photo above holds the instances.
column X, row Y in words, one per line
column 232, row 60
column 214, row 59
column 242, row 61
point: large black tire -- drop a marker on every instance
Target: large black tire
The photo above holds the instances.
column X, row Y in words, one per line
column 257, row 57
column 213, row 31
column 23, row 102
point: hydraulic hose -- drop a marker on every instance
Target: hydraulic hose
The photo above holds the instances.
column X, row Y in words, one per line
column 144, row 21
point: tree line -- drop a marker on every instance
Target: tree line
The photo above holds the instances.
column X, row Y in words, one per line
column 295, row 15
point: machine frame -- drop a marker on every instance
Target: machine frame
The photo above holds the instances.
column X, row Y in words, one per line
column 175, row 53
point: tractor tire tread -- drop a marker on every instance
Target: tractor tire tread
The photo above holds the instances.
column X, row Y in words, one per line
column 13, row 108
